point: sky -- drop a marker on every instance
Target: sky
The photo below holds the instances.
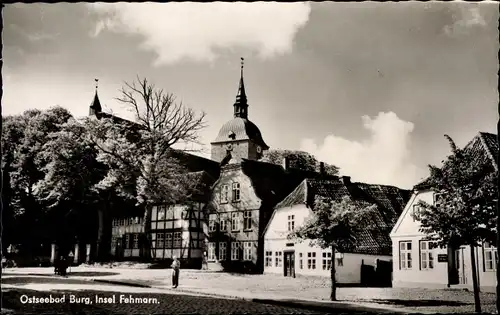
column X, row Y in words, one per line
column 369, row 87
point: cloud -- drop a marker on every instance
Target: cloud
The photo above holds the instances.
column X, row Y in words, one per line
column 468, row 17
column 383, row 158
column 198, row 30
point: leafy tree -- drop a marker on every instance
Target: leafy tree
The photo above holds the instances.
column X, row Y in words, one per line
column 12, row 136
column 71, row 171
column 464, row 214
column 298, row 159
column 25, row 170
column 336, row 225
column 139, row 156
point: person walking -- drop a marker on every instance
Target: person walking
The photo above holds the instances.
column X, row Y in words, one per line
column 176, row 266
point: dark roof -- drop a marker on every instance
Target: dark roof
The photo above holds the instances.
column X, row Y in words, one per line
column 96, row 104
column 191, row 162
column 240, row 129
column 390, row 202
column 484, row 148
column 272, row 182
column 201, row 184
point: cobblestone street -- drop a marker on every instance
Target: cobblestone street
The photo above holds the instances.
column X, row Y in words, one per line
column 167, row 304
column 249, row 286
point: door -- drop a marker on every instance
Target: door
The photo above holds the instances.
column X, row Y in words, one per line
column 460, row 266
column 289, row 265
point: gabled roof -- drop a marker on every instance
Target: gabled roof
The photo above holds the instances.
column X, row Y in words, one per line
column 390, row 202
column 484, row 147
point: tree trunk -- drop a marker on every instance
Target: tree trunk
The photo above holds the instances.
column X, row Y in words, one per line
column 100, row 234
column 477, row 302
column 333, row 294
column 147, row 232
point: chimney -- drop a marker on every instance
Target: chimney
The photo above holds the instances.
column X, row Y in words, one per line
column 286, row 163
column 346, row 180
column 322, row 168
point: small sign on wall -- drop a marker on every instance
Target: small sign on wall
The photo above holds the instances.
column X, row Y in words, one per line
column 442, row 257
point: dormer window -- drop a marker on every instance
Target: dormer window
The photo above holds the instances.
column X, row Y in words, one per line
column 236, row 192
column 232, row 135
column 224, row 194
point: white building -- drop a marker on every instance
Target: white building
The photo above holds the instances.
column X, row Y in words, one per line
column 290, row 258
column 417, row 263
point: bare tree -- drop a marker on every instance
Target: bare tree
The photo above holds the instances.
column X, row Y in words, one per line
column 139, row 155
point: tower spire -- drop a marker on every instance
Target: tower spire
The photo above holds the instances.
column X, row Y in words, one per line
column 241, row 105
column 95, row 107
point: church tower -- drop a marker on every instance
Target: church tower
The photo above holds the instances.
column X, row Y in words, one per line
column 95, row 107
column 239, row 138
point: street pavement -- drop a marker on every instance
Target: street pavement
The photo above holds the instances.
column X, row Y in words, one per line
column 154, row 303
column 303, row 291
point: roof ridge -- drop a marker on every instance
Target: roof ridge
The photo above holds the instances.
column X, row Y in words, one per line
column 488, row 150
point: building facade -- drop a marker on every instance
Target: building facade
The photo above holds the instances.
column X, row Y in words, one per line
column 367, row 263
column 418, row 262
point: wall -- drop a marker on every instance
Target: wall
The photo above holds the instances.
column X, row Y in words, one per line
column 248, row 202
column 407, row 229
column 240, row 149
column 436, row 277
column 275, row 241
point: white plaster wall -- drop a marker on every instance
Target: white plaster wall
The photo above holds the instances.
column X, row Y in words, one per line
column 275, row 241
column 438, row 275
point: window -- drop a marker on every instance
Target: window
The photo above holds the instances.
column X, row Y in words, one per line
column 437, row 199
column 236, row 192
column 405, row 255
column 177, row 240
column 222, row 250
column 168, row 240
column 490, row 257
column 211, row 223
column 247, row 251
column 136, row 241
column 169, row 213
column 279, row 259
column 224, row 194
column 426, row 256
column 340, row 261
column 247, row 220
column 127, row 240
column 301, row 262
column 161, row 212
column 235, row 222
column 416, row 209
column 311, row 260
column 160, row 239
column 269, row 259
column 291, row 222
column 235, row 251
column 223, row 224
column 327, row 261
column 211, row 251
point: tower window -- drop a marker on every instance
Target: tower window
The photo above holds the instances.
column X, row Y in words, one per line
column 236, row 192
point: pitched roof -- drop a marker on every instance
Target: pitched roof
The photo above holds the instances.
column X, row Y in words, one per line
column 484, row 147
column 390, row 202
column 191, row 162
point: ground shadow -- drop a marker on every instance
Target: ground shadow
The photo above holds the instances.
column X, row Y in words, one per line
column 417, row 303
column 71, row 274
column 45, row 280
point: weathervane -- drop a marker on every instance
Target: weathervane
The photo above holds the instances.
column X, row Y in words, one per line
column 96, row 84
column 242, row 63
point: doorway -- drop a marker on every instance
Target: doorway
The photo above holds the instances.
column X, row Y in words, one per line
column 289, row 265
column 460, row 266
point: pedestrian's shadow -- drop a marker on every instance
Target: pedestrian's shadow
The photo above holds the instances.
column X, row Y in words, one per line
column 417, row 303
